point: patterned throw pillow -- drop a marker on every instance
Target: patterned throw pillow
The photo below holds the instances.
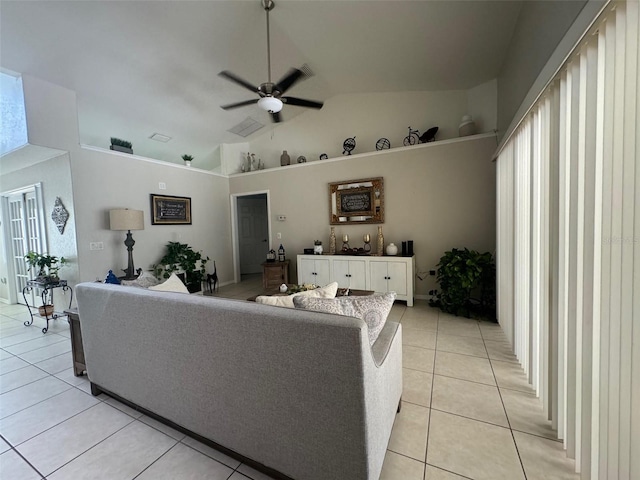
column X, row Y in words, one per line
column 373, row 309
column 173, row 284
column 328, row 291
column 144, row 280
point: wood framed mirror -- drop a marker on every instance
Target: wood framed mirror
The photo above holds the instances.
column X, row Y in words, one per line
column 356, row 201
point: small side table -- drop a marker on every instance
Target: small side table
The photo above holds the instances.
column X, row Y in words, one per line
column 47, row 288
column 77, row 350
column 275, row 274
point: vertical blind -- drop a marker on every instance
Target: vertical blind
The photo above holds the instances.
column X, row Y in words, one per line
column 568, row 247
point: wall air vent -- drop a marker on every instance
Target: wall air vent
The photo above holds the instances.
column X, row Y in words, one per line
column 246, row 127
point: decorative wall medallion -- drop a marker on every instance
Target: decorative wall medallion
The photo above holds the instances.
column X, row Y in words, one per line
column 323, row 156
column 59, row 215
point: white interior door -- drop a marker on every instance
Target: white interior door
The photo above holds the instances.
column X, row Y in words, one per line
column 25, row 216
column 253, row 232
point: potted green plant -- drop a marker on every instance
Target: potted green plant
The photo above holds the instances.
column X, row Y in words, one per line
column 184, row 261
column 467, row 284
column 46, row 266
column 120, row 145
column 187, row 159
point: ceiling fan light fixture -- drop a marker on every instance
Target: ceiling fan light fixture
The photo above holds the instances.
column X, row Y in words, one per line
column 270, row 104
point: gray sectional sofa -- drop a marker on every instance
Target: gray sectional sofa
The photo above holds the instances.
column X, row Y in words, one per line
column 294, row 393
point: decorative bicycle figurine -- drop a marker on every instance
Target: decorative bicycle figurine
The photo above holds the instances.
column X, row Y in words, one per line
column 415, row 137
column 412, row 138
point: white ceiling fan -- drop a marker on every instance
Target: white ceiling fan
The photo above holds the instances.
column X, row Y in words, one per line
column 271, row 94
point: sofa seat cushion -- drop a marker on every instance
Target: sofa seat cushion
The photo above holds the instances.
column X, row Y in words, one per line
column 373, row 309
column 328, row 291
column 173, row 284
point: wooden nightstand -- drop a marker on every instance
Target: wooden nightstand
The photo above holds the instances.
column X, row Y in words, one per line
column 275, row 274
column 77, row 350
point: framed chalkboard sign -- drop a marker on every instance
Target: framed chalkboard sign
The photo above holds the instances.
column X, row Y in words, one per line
column 170, row 210
column 356, row 201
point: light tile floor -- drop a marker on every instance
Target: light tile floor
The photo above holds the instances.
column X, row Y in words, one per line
column 467, row 411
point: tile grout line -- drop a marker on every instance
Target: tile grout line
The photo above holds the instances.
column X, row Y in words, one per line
column 94, row 446
column 52, row 426
column 152, row 463
column 450, row 471
column 41, row 401
column 435, row 353
column 21, row 456
column 515, row 444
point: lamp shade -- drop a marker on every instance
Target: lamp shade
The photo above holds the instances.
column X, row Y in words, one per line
column 125, row 219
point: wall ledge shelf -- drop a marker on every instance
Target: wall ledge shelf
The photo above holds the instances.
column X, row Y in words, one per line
column 389, row 151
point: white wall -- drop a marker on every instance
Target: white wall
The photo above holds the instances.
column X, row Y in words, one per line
column 440, row 195
column 482, row 105
column 55, row 177
column 540, row 27
column 104, row 180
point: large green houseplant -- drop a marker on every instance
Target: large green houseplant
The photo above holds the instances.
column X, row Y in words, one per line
column 46, row 267
column 467, row 284
column 182, row 259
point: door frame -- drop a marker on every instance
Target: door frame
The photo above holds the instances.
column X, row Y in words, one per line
column 235, row 241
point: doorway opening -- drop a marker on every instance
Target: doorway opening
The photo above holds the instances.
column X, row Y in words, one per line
column 252, row 231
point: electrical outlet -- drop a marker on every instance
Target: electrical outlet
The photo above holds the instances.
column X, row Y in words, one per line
column 279, row 236
column 96, row 246
column 432, row 272
column 162, row 186
column 282, row 218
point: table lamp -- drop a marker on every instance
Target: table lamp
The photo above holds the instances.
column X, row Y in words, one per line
column 125, row 219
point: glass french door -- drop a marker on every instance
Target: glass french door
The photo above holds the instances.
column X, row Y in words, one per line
column 25, row 215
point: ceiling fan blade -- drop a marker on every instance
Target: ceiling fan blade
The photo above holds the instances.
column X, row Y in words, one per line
column 238, row 104
column 301, row 102
column 236, row 79
column 293, row 76
column 276, row 117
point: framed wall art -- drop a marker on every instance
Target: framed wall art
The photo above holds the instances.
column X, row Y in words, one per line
column 356, row 201
column 170, row 210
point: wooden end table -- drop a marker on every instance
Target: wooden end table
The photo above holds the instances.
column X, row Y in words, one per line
column 274, row 274
column 77, row 349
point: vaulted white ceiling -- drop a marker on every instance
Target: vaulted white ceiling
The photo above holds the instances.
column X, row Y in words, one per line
column 140, row 67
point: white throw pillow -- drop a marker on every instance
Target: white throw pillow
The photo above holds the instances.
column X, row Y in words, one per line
column 373, row 309
column 328, row 291
column 173, row 284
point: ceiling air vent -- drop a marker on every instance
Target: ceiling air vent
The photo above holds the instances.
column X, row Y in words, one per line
column 158, row 137
column 246, row 127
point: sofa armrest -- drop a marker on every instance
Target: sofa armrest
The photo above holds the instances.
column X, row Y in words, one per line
column 381, row 346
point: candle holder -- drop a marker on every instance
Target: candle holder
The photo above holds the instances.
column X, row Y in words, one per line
column 367, row 243
column 345, row 243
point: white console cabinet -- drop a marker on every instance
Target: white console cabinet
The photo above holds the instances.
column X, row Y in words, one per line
column 380, row 274
column 314, row 269
column 350, row 273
